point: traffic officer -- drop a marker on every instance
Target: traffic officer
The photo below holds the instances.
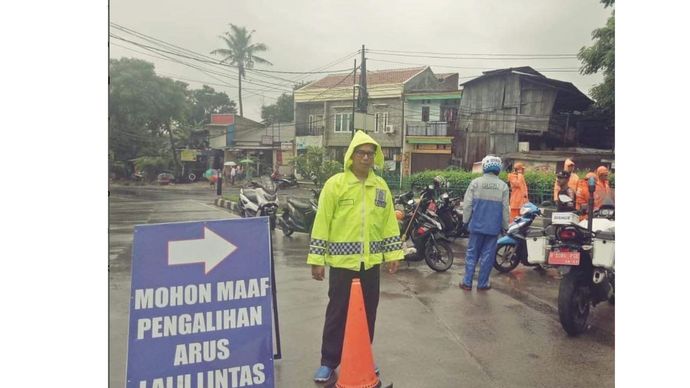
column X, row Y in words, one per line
column 355, row 230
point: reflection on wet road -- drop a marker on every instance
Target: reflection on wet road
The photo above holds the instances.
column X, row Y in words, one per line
column 429, row 332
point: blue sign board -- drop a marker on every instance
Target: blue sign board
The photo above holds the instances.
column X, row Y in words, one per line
column 201, row 305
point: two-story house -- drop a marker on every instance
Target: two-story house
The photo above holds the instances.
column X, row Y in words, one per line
column 324, row 108
column 430, row 123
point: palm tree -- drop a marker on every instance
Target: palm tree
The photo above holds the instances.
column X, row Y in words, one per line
column 240, row 52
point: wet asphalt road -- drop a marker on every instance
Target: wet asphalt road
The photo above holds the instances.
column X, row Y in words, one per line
column 429, row 333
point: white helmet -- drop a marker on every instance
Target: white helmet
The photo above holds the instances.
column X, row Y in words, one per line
column 492, row 163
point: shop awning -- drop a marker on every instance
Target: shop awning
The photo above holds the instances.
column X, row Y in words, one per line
column 429, row 140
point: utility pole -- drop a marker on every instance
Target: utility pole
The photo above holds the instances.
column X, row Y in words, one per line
column 354, row 84
column 363, row 100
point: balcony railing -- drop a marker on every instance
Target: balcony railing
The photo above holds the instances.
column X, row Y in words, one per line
column 309, row 131
column 430, row 128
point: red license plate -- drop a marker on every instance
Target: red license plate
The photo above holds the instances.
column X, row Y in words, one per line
column 564, row 258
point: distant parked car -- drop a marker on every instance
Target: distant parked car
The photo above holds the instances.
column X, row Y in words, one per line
column 165, row 178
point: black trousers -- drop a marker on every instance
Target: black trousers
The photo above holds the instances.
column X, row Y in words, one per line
column 339, row 284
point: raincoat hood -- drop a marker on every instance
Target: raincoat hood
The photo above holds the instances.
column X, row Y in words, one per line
column 602, row 170
column 359, row 139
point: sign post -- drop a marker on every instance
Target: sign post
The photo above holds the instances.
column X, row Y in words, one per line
column 202, row 305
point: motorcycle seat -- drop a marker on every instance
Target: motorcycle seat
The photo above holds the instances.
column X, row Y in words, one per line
column 299, row 203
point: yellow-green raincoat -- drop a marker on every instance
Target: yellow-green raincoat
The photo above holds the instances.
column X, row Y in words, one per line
column 355, row 222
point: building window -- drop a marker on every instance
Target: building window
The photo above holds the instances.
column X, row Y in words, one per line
column 389, row 152
column 339, row 153
column 312, row 123
column 425, row 113
column 380, row 122
column 342, row 122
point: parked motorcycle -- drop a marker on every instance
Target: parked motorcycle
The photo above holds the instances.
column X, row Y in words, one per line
column 421, row 225
column 511, row 249
column 284, row 182
column 299, row 215
column 586, row 251
column 259, row 199
column 450, row 213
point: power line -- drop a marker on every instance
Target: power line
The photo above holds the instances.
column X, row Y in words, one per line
column 474, row 54
column 468, row 57
column 544, row 70
column 178, row 77
column 158, row 50
column 182, row 78
column 212, row 59
column 335, row 62
column 178, row 51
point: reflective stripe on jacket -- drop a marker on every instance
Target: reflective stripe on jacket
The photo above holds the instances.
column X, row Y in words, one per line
column 486, row 205
column 355, row 222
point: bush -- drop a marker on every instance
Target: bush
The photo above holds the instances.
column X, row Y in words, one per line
column 539, row 184
column 151, row 166
column 315, row 164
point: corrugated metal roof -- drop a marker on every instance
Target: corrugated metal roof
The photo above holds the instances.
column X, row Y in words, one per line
column 376, row 77
column 529, row 74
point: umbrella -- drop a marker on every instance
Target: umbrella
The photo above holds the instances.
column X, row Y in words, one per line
column 210, row 172
column 230, row 164
column 246, row 161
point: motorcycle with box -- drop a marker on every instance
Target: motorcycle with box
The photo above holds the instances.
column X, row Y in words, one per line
column 585, row 253
column 512, row 248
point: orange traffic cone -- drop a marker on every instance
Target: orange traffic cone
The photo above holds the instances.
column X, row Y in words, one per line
column 357, row 361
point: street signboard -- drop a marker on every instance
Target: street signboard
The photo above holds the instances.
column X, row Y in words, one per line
column 201, row 307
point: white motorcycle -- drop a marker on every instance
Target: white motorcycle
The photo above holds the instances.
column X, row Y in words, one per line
column 259, row 199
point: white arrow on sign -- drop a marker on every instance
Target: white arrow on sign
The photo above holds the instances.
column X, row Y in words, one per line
column 210, row 250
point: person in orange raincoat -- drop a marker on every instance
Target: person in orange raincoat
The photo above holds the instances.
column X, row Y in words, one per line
column 582, row 193
column 518, row 189
column 603, row 190
column 569, row 166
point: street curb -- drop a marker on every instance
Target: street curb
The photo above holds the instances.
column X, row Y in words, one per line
column 230, row 205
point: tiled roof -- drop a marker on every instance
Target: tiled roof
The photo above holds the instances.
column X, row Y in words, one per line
column 376, row 77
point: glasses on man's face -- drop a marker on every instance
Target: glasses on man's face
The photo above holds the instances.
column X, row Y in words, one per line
column 361, row 154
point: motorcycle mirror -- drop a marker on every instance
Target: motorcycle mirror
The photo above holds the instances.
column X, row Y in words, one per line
column 592, row 184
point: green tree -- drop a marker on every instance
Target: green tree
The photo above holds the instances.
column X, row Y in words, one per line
column 241, row 52
column 601, row 57
column 130, row 110
column 147, row 113
column 206, row 101
column 313, row 164
column 280, row 112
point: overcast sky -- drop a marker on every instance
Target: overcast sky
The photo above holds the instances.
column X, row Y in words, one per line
column 305, row 35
